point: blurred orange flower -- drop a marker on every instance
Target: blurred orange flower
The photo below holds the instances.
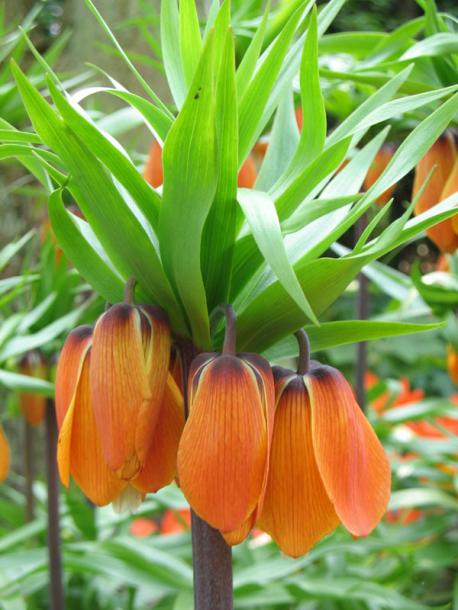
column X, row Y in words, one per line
column 4, row 455
column 142, row 527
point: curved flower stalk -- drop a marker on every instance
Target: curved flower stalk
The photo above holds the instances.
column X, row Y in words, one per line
column 119, row 410
column 327, row 465
column 444, row 182
column 224, row 450
column 33, row 406
column 4, row 455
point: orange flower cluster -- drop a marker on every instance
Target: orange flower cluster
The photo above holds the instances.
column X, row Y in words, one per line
column 443, row 156
column 33, row 406
column 153, row 173
column 4, row 456
column 289, row 451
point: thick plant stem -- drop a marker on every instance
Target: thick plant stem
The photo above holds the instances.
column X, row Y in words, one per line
column 29, row 470
column 56, row 593
column 362, row 310
column 211, row 556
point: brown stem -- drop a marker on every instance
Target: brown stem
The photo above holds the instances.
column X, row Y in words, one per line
column 303, row 363
column 29, row 470
column 56, row 593
column 362, row 310
column 129, row 291
column 211, row 556
column 230, row 335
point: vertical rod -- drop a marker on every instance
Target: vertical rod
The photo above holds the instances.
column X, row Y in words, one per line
column 211, row 556
column 56, row 593
column 29, row 470
column 362, row 311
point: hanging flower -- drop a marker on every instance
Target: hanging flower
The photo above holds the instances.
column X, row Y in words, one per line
column 379, row 164
column 223, row 452
column 4, row 456
column 33, row 406
column 442, row 155
column 452, row 364
column 326, row 466
column 119, row 410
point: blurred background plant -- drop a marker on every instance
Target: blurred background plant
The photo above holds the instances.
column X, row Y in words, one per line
column 144, row 560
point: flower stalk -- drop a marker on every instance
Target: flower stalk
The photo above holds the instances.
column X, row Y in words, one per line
column 211, row 556
column 362, row 310
column 29, row 470
column 56, row 592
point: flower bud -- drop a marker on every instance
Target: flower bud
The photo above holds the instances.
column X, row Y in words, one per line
column 33, row 406
column 4, row 456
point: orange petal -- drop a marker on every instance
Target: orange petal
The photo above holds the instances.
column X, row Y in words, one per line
column 4, row 456
column 451, row 187
column 160, row 464
column 223, row 449
column 267, row 390
column 130, row 358
column 153, row 169
column 80, row 450
column 442, row 155
column 297, row 511
column 350, row 458
column 247, row 174
column 69, row 368
column 382, row 158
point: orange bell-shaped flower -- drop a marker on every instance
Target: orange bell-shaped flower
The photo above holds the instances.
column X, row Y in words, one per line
column 129, row 367
column 442, row 155
column 247, row 174
column 141, row 418
column 452, row 364
column 379, row 164
column 4, row 455
column 326, row 466
column 223, row 452
column 33, row 406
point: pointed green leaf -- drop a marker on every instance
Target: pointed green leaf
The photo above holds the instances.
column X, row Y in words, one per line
column 190, row 39
column 170, row 44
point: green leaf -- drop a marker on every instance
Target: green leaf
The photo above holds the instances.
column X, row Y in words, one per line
column 409, row 498
column 81, row 246
column 313, row 132
column 247, row 66
column 261, row 215
column 282, row 144
column 114, row 158
column 170, row 43
column 265, row 319
column 331, row 334
column 190, row 39
column 129, row 242
column 313, row 209
column 24, row 383
column 253, row 101
column 190, row 182
column 438, row 44
column 219, row 232
column 10, row 250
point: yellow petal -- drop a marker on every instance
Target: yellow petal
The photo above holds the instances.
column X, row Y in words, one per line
column 130, row 357
column 160, row 464
column 350, row 458
column 297, row 512
column 223, row 449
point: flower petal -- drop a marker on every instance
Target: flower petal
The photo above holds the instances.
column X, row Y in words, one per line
column 350, row 458
column 69, row 368
column 153, row 172
column 160, row 464
column 223, row 449
column 297, row 511
column 86, row 461
column 33, row 406
column 128, row 376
